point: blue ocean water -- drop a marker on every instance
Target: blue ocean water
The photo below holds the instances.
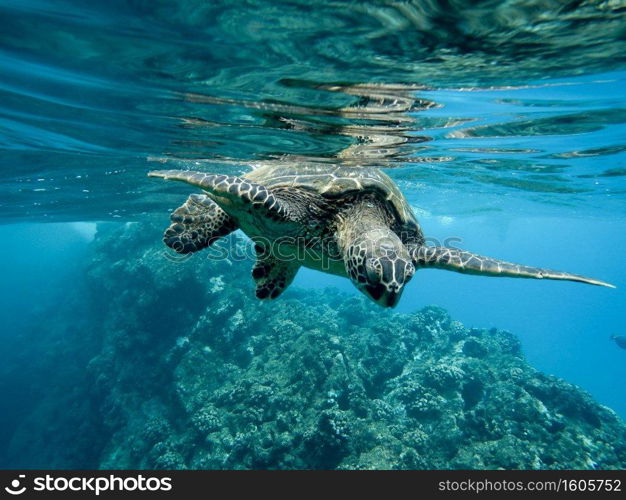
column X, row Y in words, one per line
column 504, row 124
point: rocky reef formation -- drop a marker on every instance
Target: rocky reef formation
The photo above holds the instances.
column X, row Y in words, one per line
column 188, row 370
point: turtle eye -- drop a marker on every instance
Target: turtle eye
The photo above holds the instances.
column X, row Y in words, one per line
column 374, row 270
column 409, row 271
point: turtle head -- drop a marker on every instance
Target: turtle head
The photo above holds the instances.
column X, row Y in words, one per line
column 379, row 265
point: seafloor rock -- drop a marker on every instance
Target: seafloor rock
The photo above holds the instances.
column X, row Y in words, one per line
column 189, row 370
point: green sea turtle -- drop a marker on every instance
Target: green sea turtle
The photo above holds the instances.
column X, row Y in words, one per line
column 348, row 221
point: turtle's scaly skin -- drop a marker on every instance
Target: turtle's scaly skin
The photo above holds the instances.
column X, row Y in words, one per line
column 197, row 224
column 349, row 221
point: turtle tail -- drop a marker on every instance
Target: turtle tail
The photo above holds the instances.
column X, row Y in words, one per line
column 461, row 261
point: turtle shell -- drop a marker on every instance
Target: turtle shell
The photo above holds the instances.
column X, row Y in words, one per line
column 336, row 182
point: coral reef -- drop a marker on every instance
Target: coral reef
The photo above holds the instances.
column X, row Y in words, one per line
column 189, row 370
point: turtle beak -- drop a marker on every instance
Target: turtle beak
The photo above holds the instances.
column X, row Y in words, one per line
column 392, row 298
column 384, row 296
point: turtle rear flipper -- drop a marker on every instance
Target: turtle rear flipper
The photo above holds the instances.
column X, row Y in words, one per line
column 272, row 275
column 197, row 224
column 461, row 261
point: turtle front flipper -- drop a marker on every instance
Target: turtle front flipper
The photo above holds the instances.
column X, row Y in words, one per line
column 234, row 191
column 272, row 275
column 197, row 224
column 461, row 261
